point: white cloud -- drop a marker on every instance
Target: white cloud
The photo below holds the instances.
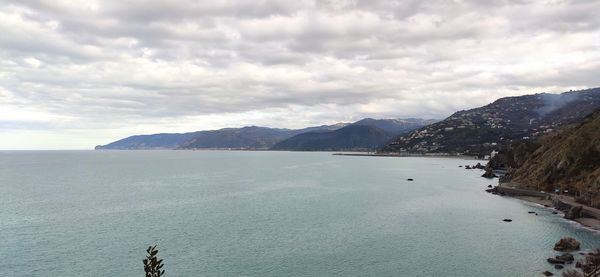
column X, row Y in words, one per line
column 98, row 70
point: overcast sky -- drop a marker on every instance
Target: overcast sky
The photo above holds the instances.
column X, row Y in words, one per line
column 74, row 74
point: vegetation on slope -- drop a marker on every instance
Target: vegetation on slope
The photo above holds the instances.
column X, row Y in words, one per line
column 568, row 160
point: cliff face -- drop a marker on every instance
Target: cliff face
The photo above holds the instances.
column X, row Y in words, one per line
column 569, row 160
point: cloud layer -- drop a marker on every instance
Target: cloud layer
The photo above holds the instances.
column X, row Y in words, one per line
column 78, row 73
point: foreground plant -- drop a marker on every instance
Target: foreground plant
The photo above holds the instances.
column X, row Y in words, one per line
column 152, row 265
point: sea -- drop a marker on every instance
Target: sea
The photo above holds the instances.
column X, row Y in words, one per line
column 266, row 213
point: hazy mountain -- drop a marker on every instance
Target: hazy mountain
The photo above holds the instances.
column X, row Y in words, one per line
column 254, row 137
column 237, row 138
column 352, row 137
column 504, row 121
column 155, row 141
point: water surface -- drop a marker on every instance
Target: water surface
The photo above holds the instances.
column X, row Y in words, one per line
column 233, row 213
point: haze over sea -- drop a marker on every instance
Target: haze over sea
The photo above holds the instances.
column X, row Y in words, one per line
column 235, row 213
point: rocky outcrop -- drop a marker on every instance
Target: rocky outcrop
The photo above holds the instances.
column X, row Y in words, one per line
column 567, row 244
column 574, row 213
column 489, row 173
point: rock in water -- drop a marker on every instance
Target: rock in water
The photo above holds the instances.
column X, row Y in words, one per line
column 555, row 261
column 567, row 244
column 507, row 220
column 566, row 257
column 548, row 273
column 410, row 179
column 489, row 174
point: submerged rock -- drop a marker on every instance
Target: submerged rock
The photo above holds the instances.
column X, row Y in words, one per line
column 567, row 244
column 558, row 266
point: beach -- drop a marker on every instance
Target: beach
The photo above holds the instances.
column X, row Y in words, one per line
column 554, row 201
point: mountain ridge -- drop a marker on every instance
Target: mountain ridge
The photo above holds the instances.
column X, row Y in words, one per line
column 249, row 137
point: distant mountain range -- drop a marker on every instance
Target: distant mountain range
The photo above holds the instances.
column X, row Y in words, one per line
column 504, row 121
column 471, row 132
column 365, row 134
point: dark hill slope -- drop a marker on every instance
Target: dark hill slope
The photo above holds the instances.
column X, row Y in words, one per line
column 353, row 137
column 238, row 138
column 569, row 160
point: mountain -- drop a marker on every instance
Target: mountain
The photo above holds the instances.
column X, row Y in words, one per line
column 352, row 137
column 254, row 137
column 155, row 141
column 504, row 121
column 251, row 137
column 567, row 160
column 396, row 126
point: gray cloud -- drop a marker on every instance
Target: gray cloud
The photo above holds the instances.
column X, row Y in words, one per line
column 104, row 69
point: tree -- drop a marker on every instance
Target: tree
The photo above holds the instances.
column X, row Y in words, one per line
column 152, row 265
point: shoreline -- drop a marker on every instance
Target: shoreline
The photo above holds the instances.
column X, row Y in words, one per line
column 552, row 201
column 398, row 155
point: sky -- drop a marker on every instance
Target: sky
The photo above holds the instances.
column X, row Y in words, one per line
column 75, row 74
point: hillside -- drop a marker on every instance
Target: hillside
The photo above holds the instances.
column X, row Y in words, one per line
column 506, row 120
column 353, row 137
column 569, row 160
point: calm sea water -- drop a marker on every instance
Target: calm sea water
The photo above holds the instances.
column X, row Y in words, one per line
column 219, row 213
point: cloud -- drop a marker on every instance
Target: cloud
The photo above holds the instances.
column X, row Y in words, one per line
column 99, row 70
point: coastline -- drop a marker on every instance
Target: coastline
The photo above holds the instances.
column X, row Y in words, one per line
column 398, row 155
column 553, row 201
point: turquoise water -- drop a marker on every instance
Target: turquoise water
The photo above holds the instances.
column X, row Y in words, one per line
column 220, row 213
